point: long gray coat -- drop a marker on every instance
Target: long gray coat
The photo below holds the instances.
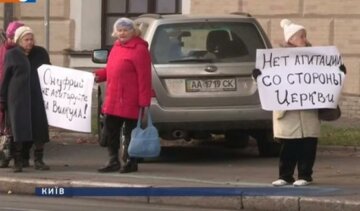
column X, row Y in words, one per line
column 21, row 93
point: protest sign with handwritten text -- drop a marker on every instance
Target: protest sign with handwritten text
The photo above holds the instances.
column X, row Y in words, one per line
column 67, row 96
column 299, row 78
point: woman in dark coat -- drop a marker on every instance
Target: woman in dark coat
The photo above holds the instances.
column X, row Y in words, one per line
column 22, row 98
column 37, row 57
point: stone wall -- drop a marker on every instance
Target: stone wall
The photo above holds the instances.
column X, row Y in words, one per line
column 350, row 106
column 61, row 27
column 335, row 22
column 329, row 22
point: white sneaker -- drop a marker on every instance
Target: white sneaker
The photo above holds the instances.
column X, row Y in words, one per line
column 301, row 182
column 279, row 182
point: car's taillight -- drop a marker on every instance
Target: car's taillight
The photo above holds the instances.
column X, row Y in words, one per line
column 153, row 94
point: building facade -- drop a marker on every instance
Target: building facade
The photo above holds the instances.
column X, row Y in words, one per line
column 77, row 27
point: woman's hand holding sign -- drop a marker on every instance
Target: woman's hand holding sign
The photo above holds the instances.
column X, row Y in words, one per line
column 342, row 68
column 255, row 73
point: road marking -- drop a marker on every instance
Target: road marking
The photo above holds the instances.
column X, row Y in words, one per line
column 182, row 179
column 19, row 209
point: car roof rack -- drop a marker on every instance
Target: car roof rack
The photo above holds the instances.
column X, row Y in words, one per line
column 151, row 15
column 241, row 13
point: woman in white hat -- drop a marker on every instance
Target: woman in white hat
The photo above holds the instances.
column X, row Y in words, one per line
column 296, row 130
column 21, row 96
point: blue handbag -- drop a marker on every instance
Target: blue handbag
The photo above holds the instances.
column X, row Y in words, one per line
column 144, row 143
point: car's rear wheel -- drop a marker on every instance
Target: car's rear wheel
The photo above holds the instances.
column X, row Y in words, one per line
column 267, row 147
column 236, row 139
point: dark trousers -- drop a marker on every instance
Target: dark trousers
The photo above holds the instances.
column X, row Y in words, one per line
column 24, row 146
column 113, row 125
column 300, row 152
column 27, row 148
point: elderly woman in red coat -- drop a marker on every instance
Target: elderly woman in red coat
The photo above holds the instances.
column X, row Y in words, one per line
column 128, row 89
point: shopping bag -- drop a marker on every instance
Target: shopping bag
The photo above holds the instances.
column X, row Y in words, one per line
column 144, row 143
column 5, row 146
column 6, row 139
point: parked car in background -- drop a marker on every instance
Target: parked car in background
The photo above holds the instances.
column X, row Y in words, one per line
column 201, row 78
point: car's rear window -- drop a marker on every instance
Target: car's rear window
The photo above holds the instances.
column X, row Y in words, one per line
column 205, row 42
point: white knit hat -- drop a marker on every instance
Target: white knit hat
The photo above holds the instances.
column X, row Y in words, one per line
column 21, row 32
column 290, row 28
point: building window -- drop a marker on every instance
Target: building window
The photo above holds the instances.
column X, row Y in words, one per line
column 113, row 9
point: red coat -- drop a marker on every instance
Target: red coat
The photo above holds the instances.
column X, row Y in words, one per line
column 4, row 47
column 128, row 78
column 2, row 58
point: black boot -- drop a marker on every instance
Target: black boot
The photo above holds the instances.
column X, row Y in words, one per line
column 26, row 163
column 26, row 153
column 130, row 166
column 114, row 163
column 38, row 160
column 5, row 162
column 18, row 157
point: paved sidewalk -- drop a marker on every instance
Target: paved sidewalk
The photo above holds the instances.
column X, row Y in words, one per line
column 74, row 158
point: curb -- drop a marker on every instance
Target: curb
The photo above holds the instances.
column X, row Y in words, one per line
column 289, row 203
column 339, row 148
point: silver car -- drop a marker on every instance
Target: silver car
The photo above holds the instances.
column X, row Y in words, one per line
column 201, row 78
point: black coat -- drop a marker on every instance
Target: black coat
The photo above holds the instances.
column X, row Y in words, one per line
column 21, row 93
column 37, row 57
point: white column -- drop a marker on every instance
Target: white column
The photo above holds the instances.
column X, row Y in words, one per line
column 186, row 4
column 86, row 15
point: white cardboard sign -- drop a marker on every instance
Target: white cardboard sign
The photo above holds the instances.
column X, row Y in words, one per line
column 299, row 78
column 67, row 96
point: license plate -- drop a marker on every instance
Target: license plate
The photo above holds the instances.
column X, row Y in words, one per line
column 210, row 85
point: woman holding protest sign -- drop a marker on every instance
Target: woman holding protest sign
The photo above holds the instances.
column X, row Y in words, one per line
column 21, row 89
column 296, row 130
column 128, row 89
